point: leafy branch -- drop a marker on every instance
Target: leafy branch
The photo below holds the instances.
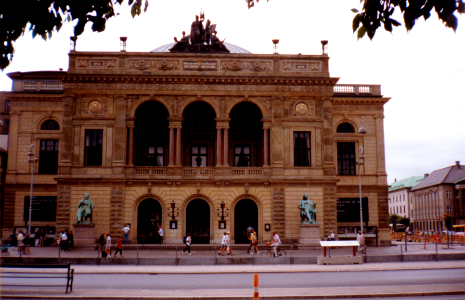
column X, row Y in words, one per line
column 46, row 16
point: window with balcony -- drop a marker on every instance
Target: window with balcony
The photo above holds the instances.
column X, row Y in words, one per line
column 242, row 156
column 156, row 156
column 199, row 155
column 302, row 149
column 93, row 147
column 48, row 157
column 346, row 158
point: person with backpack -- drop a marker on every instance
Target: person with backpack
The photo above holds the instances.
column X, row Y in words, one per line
column 187, row 241
column 250, row 237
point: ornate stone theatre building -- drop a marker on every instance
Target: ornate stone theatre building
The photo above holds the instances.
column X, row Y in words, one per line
column 196, row 142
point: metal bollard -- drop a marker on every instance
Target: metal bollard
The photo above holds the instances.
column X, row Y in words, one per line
column 255, row 287
column 176, row 255
column 137, row 255
column 437, row 253
column 59, row 255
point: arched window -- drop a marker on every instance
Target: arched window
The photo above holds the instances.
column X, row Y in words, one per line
column 345, row 128
column 50, row 125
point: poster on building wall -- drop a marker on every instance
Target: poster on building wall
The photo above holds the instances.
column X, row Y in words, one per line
column 348, row 209
column 44, row 208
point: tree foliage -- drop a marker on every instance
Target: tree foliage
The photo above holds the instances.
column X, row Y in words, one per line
column 42, row 17
column 377, row 13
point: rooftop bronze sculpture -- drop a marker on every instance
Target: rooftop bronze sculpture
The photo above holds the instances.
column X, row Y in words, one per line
column 201, row 40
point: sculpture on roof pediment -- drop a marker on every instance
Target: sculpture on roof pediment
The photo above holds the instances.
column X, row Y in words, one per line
column 201, row 39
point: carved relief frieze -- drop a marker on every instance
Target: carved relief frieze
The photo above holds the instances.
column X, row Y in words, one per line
column 299, row 66
column 144, row 64
column 93, row 106
column 241, row 65
column 377, row 107
column 96, row 63
column 31, row 104
column 140, row 64
column 233, row 65
column 302, row 108
column 130, row 100
column 203, row 87
column 259, row 66
column 166, row 64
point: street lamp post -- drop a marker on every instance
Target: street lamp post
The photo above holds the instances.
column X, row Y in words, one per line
column 32, row 160
column 361, row 130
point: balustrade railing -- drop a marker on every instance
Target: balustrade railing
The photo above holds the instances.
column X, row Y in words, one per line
column 357, row 89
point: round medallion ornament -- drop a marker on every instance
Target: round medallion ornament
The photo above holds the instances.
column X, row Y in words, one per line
column 95, row 106
column 301, row 108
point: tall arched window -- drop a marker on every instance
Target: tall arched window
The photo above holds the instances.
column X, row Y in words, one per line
column 50, row 125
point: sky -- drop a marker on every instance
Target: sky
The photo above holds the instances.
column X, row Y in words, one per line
column 422, row 71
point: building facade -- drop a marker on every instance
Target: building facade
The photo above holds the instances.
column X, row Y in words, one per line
column 439, row 195
column 398, row 196
column 198, row 143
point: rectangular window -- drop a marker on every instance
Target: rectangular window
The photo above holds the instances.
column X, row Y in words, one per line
column 93, row 147
column 7, row 105
column 302, row 153
column 449, row 209
column 156, row 156
column 448, row 194
column 346, row 158
column 242, row 156
column 199, row 155
column 43, row 208
column 48, row 157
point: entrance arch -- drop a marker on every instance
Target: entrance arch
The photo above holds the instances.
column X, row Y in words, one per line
column 198, row 221
column 149, row 216
column 245, row 215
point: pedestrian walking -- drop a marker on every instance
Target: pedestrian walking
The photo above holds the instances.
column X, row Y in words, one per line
column 71, row 240
column 37, row 237
column 250, row 237
column 43, row 235
column 224, row 244
column 126, row 230
column 361, row 241
column 187, row 241
column 20, row 241
column 119, row 247
column 228, row 243
column 160, row 234
column 64, row 240
column 254, row 243
column 108, row 246
column 27, row 244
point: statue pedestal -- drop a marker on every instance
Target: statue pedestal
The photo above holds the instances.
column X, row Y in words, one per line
column 84, row 234
column 310, row 234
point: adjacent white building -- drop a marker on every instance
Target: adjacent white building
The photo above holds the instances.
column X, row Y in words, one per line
column 399, row 195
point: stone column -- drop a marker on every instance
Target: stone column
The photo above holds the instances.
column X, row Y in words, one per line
column 178, row 146
column 131, row 146
column 171, row 149
column 218, row 146
column 119, row 129
column 66, row 145
column 225, row 147
column 265, row 147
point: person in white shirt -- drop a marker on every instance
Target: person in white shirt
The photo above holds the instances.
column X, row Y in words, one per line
column 276, row 243
column 126, row 230
column 160, row 233
column 228, row 244
column 108, row 246
column 224, row 244
column 361, row 241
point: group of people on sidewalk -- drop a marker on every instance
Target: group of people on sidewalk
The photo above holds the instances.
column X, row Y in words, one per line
column 66, row 240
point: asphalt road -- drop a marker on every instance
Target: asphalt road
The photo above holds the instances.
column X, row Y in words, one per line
column 268, row 280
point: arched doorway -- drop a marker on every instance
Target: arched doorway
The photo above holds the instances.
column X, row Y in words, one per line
column 245, row 215
column 198, row 221
column 148, row 218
